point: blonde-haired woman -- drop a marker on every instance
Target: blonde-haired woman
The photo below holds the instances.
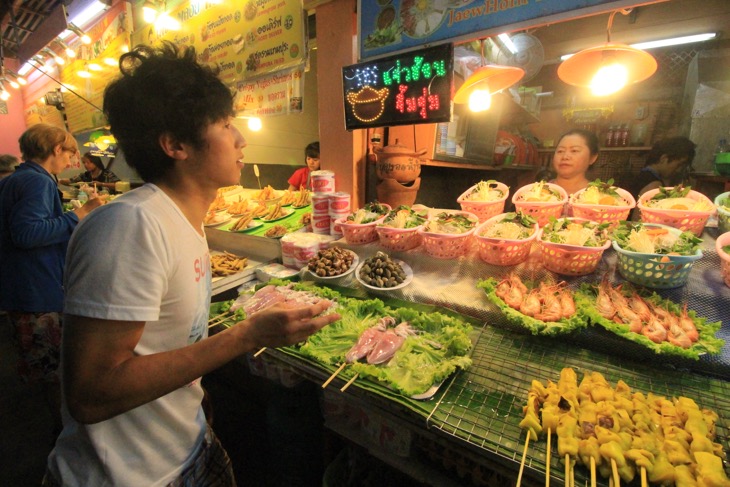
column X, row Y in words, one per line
column 34, row 233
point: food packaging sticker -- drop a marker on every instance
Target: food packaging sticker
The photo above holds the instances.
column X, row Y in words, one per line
column 339, row 202
column 321, row 224
column 336, row 228
column 323, row 181
column 320, row 204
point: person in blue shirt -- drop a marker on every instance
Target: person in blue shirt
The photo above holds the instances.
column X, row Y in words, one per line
column 34, row 233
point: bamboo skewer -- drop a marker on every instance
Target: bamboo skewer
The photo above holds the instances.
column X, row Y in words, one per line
column 524, row 457
column 327, row 382
column 223, row 317
column 567, row 470
column 593, row 472
column 547, row 459
column 614, row 471
column 644, row 481
column 261, row 350
column 349, row 382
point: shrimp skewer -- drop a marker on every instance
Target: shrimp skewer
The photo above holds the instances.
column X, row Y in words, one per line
column 603, row 301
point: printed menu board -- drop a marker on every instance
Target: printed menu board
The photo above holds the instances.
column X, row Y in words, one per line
column 245, row 39
column 410, row 88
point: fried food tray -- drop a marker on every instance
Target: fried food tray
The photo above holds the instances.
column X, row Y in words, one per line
column 483, row 405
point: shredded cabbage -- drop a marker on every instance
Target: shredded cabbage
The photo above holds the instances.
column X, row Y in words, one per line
column 485, row 191
column 541, row 192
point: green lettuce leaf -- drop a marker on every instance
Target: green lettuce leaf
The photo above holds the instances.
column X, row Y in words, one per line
column 536, row 327
column 585, row 298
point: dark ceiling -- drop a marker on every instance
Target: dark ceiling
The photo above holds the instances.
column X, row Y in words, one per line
column 29, row 23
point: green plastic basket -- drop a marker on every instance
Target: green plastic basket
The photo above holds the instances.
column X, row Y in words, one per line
column 723, row 216
column 655, row 271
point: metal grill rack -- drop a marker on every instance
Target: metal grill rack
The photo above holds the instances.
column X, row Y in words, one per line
column 483, row 405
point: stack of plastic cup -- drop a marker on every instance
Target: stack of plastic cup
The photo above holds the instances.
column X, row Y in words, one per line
column 339, row 207
column 323, row 185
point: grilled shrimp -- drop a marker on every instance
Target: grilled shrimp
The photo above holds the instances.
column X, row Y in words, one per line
column 687, row 325
column 654, row 331
column 517, row 282
column 530, row 306
column 677, row 336
column 514, row 297
column 567, row 304
column 624, row 313
column 551, row 309
column 503, row 288
column 665, row 317
column 603, row 301
column 639, row 306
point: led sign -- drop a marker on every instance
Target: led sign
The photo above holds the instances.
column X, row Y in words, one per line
column 410, row 88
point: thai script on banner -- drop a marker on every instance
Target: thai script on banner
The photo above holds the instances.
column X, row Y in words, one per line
column 274, row 94
column 245, row 39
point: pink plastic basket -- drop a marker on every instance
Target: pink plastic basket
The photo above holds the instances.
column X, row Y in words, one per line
column 502, row 251
column 448, row 246
column 540, row 211
column 722, row 241
column 570, row 260
column 603, row 213
column 685, row 220
column 360, row 233
column 484, row 210
column 399, row 239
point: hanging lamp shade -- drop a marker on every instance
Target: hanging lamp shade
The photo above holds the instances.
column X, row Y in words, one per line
column 492, row 78
column 579, row 69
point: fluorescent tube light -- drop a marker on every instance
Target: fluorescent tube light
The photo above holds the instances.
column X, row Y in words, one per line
column 673, row 41
column 508, row 43
column 94, row 9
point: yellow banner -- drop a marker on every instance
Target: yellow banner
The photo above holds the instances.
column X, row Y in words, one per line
column 245, row 39
column 96, row 65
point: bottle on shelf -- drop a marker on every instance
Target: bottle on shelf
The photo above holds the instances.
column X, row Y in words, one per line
column 608, row 142
column 624, row 138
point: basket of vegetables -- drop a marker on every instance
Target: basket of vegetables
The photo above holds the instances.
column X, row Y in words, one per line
column 722, row 245
column 399, row 230
column 359, row 226
column 506, row 239
column 677, row 206
column 654, row 255
column 602, row 202
column 541, row 201
column 572, row 246
column 447, row 234
column 722, row 201
column 485, row 199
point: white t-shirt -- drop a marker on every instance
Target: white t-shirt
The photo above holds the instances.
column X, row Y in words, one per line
column 138, row 259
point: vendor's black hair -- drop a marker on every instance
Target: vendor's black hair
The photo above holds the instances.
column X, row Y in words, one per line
column 312, row 150
column 590, row 138
column 95, row 160
column 674, row 148
column 162, row 91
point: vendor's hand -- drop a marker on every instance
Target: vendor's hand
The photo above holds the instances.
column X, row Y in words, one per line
column 279, row 326
column 92, row 204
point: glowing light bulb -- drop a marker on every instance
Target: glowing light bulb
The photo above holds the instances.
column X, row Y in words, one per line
column 609, row 79
column 22, row 80
column 14, row 84
column 83, row 73
column 480, row 100
column 149, row 12
column 4, row 95
column 70, row 52
column 94, row 67
column 110, row 61
column 254, row 124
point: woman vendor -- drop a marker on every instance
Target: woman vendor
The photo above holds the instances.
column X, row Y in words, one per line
column 95, row 173
column 576, row 152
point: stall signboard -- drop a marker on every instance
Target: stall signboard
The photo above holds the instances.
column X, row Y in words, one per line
column 94, row 67
column 244, row 39
column 273, row 94
column 390, row 26
column 406, row 89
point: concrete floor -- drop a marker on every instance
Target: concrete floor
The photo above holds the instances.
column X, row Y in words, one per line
column 25, row 424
